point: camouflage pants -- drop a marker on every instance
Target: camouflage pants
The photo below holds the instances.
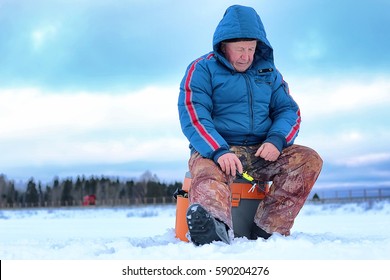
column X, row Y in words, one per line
column 293, row 176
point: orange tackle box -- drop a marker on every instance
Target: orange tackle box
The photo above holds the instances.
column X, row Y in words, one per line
column 244, row 205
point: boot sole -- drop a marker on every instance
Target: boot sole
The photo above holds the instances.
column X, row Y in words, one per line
column 204, row 228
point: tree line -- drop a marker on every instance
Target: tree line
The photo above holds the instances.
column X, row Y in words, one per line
column 71, row 192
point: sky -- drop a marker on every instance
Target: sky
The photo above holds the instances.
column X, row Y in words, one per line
column 91, row 87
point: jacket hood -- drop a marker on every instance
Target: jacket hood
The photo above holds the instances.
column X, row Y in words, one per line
column 242, row 22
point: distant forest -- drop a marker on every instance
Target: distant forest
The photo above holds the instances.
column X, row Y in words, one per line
column 72, row 192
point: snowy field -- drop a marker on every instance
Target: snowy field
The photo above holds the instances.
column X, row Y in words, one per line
column 321, row 232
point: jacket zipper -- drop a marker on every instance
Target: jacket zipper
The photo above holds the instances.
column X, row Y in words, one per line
column 250, row 95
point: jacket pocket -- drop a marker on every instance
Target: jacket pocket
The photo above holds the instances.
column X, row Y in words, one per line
column 264, row 76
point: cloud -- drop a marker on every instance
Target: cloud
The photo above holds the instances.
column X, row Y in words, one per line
column 131, row 43
column 77, row 84
column 41, row 35
column 367, row 159
column 344, row 118
column 125, row 133
column 39, row 127
column 32, row 110
column 309, row 47
column 328, row 96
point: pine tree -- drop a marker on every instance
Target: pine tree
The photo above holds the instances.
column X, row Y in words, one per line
column 31, row 196
column 66, row 196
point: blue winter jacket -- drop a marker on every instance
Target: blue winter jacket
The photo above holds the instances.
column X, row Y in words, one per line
column 220, row 107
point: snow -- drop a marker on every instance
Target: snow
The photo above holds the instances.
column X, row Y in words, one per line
column 353, row 231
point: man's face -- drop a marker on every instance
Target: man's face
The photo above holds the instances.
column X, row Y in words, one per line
column 240, row 54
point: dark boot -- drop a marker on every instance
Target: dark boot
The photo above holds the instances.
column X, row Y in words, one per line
column 258, row 232
column 204, row 228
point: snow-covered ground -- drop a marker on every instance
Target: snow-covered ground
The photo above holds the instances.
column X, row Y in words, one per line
column 321, row 232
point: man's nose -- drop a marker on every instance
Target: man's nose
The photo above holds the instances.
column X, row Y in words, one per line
column 245, row 55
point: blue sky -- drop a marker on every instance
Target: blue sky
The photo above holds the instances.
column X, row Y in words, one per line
column 90, row 87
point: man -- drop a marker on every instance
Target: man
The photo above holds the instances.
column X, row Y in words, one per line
column 237, row 113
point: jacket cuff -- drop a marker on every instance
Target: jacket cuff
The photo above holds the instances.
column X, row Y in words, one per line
column 277, row 141
column 219, row 153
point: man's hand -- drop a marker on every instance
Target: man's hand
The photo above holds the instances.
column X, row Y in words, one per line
column 268, row 152
column 230, row 164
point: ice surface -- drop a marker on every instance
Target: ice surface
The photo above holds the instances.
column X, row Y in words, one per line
column 325, row 231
